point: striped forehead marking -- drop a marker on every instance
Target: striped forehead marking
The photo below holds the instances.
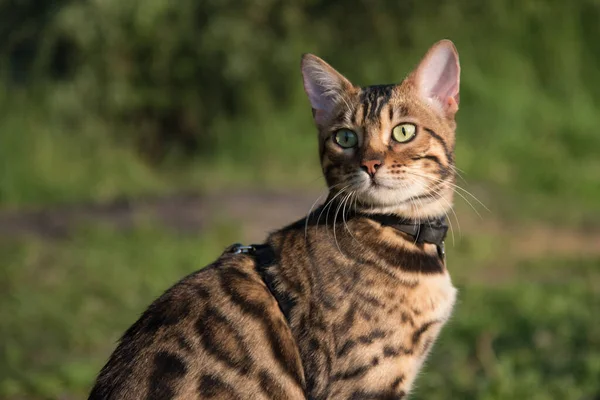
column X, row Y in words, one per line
column 373, row 99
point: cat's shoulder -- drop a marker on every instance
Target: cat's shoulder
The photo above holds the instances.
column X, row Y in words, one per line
column 190, row 296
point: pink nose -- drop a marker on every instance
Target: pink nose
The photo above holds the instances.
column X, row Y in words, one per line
column 371, row 166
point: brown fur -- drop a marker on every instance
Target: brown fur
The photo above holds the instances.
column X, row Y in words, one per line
column 354, row 306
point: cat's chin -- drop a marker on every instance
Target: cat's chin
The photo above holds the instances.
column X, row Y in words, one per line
column 395, row 202
column 428, row 211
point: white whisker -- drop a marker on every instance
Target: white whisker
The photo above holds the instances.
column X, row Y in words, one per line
column 328, row 206
column 347, row 200
column 337, row 210
column 308, row 215
column 455, row 187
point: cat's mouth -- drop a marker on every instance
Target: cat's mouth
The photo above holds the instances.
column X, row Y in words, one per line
column 376, row 184
column 383, row 190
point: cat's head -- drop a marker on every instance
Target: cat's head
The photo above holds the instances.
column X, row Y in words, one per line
column 389, row 148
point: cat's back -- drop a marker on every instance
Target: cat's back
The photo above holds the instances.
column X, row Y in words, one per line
column 217, row 334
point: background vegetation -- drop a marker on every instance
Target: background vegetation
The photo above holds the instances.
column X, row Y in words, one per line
column 107, row 99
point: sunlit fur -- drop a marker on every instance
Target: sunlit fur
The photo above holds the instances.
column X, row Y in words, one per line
column 342, row 307
column 415, row 178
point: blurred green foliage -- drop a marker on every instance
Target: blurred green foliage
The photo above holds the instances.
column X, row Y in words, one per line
column 103, row 99
column 219, row 81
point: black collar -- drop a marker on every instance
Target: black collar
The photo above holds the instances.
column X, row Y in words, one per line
column 430, row 231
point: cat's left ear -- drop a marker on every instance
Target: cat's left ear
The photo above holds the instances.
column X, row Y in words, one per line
column 326, row 88
column 437, row 78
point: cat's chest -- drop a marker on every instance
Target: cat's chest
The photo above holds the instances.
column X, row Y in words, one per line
column 392, row 331
column 432, row 297
column 394, row 309
column 380, row 302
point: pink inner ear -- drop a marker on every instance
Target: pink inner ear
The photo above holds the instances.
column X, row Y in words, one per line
column 438, row 76
column 320, row 83
column 324, row 86
column 322, row 102
column 447, row 84
column 316, row 95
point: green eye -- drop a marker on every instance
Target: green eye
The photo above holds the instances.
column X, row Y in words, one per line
column 404, row 132
column 346, row 138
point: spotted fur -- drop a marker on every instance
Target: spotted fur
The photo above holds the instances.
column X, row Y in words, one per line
column 346, row 308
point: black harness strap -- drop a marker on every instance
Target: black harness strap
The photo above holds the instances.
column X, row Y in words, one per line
column 265, row 256
column 263, row 253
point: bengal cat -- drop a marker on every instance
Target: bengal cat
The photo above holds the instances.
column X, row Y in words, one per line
column 343, row 304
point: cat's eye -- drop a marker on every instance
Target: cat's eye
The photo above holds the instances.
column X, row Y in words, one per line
column 404, row 132
column 346, row 138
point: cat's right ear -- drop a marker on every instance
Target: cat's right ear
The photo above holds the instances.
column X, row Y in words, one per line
column 325, row 87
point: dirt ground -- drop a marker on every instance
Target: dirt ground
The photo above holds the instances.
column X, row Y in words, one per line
column 259, row 212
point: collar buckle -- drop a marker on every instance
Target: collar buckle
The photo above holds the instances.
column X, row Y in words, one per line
column 239, row 248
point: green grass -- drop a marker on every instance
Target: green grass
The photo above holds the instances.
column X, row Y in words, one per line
column 66, row 302
column 543, row 169
column 527, row 340
column 47, row 160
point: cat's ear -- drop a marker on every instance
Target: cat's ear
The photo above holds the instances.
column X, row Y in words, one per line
column 437, row 78
column 325, row 87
